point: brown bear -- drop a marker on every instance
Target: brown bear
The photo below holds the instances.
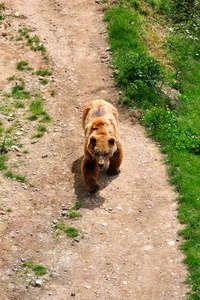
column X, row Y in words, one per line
column 102, row 143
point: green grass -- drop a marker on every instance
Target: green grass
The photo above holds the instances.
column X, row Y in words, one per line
column 21, row 65
column 42, row 128
column 11, row 175
column 33, row 118
column 70, row 231
column 175, row 126
column 36, row 107
column 39, row 270
column 18, row 92
column 43, row 72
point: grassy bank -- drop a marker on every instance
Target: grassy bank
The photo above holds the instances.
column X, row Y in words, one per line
column 156, row 53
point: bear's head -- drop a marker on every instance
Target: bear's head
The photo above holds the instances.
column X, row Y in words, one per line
column 101, row 147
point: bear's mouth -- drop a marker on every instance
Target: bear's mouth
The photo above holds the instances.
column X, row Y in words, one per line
column 101, row 166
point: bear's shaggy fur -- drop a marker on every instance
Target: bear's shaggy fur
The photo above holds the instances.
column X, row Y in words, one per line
column 102, row 144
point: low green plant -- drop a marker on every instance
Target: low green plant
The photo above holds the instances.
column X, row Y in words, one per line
column 25, row 32
column 74, row 215
column 19, row 104
column 38, row 269
column 11, row 175
column 53, row 93
column 2, row 15
column 18, row 92
column 38, row 135
column 36, row 45
column 3, row 147
column 21, row 65
column 43, row 72
column 70, row 231
column 36, row 107
column 44, row 81
column 3, row 159
column 42, row 128
column 46, row 118
column 33, row 117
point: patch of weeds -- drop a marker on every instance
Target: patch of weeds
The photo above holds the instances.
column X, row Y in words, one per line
column 42, row 128
column 38, row 269
column 43, row 72
column 21, row 65
column 19, row 38
column 53, row 93
column 19, row 104
column 74, row 215
column 34, row 42
column 25, row 32
column 9, row 174
column 70, row 231
column 25, row 151
column 33, row 118
column 46, row 118
column 43, row 81
column 18, row 92
column 36, row 107
column 2, row 9
column 12, row 78
column 9, row 210
column 76, row 206
column 38, row 135
column 3, row 159
column 3, row 148
column 36, row 45
column 10, row 129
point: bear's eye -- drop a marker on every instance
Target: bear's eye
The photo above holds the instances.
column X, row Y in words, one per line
column 105, row 154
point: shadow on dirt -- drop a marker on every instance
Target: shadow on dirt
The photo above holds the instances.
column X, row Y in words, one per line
column 89, row 201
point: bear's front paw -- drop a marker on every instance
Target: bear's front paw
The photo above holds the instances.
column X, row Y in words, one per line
column 112, row 172
column 94, row 189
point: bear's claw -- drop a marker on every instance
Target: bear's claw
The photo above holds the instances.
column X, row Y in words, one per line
column 112, row 173
column 93, row 189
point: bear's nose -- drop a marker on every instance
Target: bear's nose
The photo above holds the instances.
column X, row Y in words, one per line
column 101, row 166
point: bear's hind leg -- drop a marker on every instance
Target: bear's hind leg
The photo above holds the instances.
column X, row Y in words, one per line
column 115, row 162
column 90, row 173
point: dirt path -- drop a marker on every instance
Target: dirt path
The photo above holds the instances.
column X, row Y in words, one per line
column 127, row 247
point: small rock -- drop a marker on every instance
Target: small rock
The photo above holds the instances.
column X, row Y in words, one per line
column 119, row 208
column 17, row 14
column 171, row 243
column 88, row 287
column 4, row 34
column 65, row 213
column 76, row 240
column 15, row 148
column 104, row 224
column 45, row 155
column 124, row 282
column 73, row 294
column 37, row 283
column 10, row 119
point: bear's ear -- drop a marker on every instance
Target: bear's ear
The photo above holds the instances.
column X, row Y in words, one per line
column 111, row 141
column 93, row 140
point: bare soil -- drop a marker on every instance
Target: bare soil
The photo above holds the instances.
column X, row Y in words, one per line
column 128, row 246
